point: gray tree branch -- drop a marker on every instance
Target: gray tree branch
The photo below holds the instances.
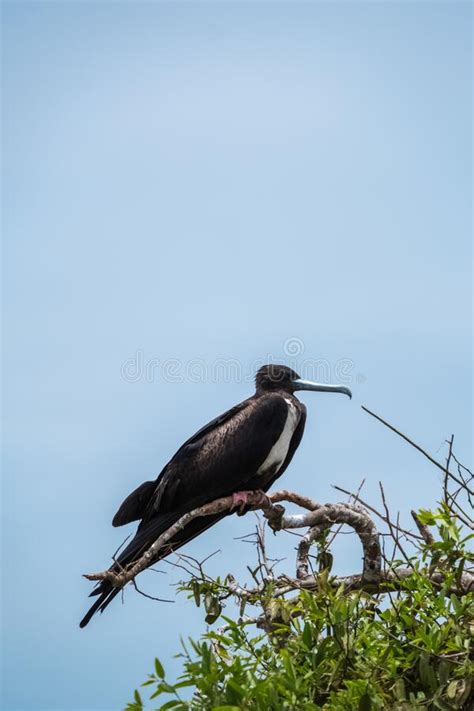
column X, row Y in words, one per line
column 317, row 518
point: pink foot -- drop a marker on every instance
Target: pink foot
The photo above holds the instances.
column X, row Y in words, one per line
column 240, row 499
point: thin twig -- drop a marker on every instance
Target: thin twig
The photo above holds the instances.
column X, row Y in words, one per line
column 416, row 446
column 446, row 472
column 394, row 529
column 338, row 529
column 150, row 597
column 383, row 518
column 460, row 513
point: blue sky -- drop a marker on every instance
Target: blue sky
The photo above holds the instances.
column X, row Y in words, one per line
column 187, row 183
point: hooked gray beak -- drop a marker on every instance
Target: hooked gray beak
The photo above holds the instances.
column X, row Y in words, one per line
column 301, row 384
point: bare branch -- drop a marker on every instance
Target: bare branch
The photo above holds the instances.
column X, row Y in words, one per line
column 339, row 528
column 395, row 578
column 394, row 528
column 446, row 471
column 304, row 501
column 155, row 550
column 150, row 597
column 460, row 513
column 318, row 520
column 352, row 515
column 383, row 518
column 420, row 449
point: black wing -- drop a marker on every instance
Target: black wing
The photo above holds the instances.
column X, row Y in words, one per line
column 134, row 506
column 136, row 503
column 218, row 460
column 223, row 459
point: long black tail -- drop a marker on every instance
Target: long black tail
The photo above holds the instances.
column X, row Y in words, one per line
column 145, row 536
column 100, row 604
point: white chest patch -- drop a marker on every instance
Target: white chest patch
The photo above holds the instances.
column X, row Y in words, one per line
column 278, row 452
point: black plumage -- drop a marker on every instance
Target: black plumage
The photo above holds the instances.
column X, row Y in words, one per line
column 244, row 449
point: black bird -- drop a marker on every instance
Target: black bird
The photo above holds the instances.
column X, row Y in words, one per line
column 245, row 449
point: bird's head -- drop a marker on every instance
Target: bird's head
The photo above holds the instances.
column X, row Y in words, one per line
column 280, row 377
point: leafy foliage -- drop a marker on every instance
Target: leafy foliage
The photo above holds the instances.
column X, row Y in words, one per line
column 408, row 646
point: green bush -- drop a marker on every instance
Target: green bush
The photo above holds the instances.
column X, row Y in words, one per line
column 406, row 645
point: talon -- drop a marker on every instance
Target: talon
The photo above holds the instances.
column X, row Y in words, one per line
column 262, row 499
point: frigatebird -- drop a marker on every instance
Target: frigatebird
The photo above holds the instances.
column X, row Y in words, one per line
column 245, row 449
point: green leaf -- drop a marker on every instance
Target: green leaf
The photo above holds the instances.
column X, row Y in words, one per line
column 444, row 669
column 160, row 672
column 307, row 636
column 238, row 690
column 452, row 690
column 213, row 608
column 426, row 517
column 166, row 688
column 183, row 684
column 427, row 674
column 196, row 593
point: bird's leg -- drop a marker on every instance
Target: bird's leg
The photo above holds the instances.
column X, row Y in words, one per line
column 240, row 500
